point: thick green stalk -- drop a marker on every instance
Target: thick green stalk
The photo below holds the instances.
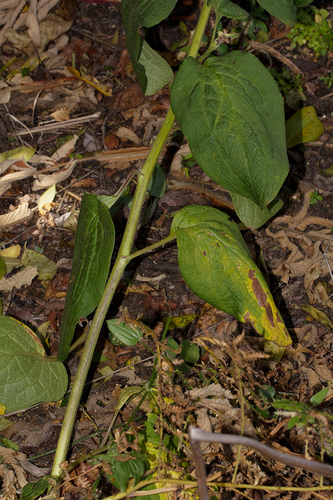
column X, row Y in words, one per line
column 121, row 262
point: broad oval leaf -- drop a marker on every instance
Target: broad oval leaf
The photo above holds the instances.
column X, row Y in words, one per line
column 232, row 114
column 151, row 69
column 215, row 263
column 27, row 375
column 284, row 10
column 94, row 242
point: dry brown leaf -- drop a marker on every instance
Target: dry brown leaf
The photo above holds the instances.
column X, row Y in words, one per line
column 20, row 279
column 61, row 115
column 126, row 134
column 65, row 150
column 310, row 375
column 18, row 216
column 45, row 181
column 204, row 423
column 322, row 369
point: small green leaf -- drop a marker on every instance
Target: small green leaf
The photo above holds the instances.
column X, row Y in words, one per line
column 150, row 68
column 303, row 126
column 293, row 421
column 10, row 444
column 229, row 9
column 319, row 397
column 33, row 490
column 123, row 471
column 27, row 375
column 123, row 334
column 94, row 242
column 284, row 10
column 232, row 113
column 250, row 213
column 215, row 263
column 190, row 352
column 267, row 393
column 126, row 394
column 174, row 349
column 157, row 183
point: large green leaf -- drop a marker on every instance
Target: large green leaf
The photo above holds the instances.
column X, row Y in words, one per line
column 229, row 9
column 152, row 71
column 27, row 375
column 284, row 10
column 232, row 114
column 215, row 263
column 250, row 214
column 94, row 242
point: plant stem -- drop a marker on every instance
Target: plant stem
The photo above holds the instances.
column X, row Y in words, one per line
column 121, row 262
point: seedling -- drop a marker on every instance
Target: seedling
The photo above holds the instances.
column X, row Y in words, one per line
column 314, row 30
column 315, row 197
column 328, row 80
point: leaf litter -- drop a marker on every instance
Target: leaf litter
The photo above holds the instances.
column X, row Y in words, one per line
column 232, row 386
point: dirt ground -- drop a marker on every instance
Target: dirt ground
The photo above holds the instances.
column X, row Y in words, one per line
column 293, row 250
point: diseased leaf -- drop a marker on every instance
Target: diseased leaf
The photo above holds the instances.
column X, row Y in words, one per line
column 249, row 212
column 151, row 70
column 284, row 10
column 27, row 375
column 229, row 9
column 303, row 126
column 231, row 111
column 215, row 263
column 94, row 242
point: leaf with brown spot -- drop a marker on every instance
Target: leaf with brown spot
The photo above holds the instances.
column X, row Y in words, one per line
column 215, row 263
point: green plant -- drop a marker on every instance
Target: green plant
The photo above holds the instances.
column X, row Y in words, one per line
column 286, row 81
column 231, row 112
column 313, row 30
column 328, row 80
column 315, row 197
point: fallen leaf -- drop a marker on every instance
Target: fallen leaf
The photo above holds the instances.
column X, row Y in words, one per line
column 13, row 251
column 20, row 279
column 45, row 181
column 18, row 216
column 126, row 134
column 46, row 199
column 61, row 115
column 66, row 149
column 47, row 269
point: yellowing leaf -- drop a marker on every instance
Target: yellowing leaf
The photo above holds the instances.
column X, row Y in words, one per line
column 318, row 315
column 104, row 89
column 13, row 251
column 215, row 263
column 3, row 267
column 46, row 199
column 303, row 126
column 15, row 154
column 2, row 409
